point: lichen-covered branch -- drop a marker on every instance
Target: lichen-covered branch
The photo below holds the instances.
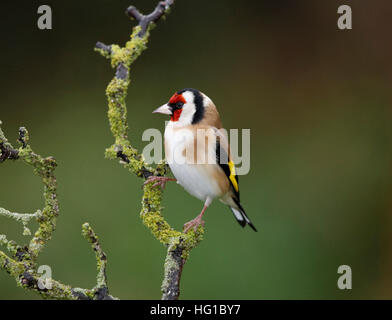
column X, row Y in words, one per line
column 100, row 256
column 6, row 150
column 21, row 262
column 174, row 263
column 24, row 218
column 178, row 243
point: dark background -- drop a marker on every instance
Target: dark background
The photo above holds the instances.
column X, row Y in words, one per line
column 317, row 101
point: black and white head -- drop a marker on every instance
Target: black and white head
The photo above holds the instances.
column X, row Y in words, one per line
column 186, row 107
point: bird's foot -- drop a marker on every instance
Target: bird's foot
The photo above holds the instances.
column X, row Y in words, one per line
column 195, row 223
column 159, row 181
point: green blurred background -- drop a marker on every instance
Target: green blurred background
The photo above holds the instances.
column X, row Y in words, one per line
column 317, row 101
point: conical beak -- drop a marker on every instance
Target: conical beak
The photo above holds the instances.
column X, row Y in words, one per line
column 165, row 109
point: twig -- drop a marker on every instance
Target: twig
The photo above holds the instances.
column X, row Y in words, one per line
column 22, row 262
column 24, row 218
column 100, row 256
column 179, row 244
column 174, row 264
column 6, row 150
column 145, row 21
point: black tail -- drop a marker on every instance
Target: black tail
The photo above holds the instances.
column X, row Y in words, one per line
column 241, row 216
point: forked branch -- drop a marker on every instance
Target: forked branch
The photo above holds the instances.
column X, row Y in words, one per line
column 178, row 244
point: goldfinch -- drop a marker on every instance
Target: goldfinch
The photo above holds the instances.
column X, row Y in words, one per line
column 198, row 154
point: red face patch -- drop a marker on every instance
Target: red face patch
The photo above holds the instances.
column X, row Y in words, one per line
column 176, row 115
column 174, row 100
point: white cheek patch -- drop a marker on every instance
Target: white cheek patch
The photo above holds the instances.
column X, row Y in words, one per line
column 188, row 96
column 188, row 110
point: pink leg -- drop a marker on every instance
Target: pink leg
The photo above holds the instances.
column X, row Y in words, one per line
column 195, row 223
column 159, row 181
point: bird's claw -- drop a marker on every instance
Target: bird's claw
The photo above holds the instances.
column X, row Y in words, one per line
column 194, row 224
column 159, row 181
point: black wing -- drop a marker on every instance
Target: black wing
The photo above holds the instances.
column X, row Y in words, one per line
column 224, row 161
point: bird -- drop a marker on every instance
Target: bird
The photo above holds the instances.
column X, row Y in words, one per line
column 198, row 154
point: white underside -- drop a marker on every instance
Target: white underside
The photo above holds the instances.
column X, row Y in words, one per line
column 195, row 181
column 194, row 178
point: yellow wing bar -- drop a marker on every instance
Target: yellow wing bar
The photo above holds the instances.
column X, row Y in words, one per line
column 232, row 175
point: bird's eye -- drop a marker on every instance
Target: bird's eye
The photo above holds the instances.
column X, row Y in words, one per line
column 179, row 105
